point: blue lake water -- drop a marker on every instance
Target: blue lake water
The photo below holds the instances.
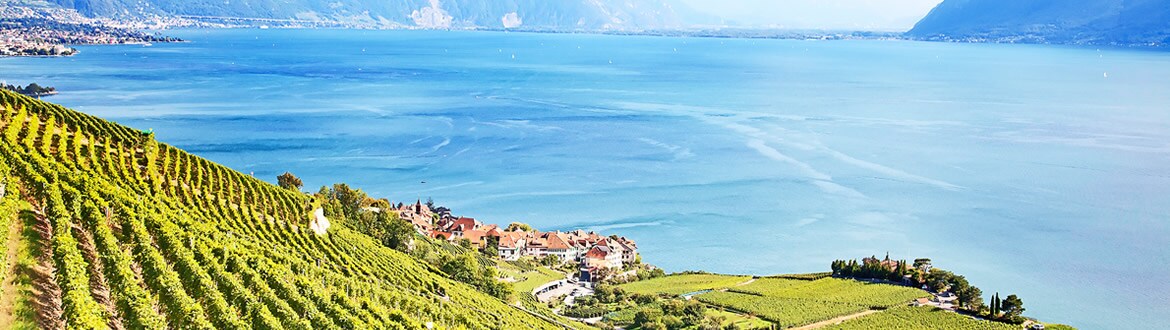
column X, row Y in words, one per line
column 1039, row 171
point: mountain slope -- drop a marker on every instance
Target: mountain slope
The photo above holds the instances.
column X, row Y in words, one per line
column 1122, row 22
column 543, row 14
column 140, row 234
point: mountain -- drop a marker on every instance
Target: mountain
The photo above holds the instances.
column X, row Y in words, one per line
column 1116, row 22
column 104, row 227
column 530, row 14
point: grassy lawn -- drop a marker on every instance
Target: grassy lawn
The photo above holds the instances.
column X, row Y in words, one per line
column 530, row 280
column 680, row 284
column 741, row 321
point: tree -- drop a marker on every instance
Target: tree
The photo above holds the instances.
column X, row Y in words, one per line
column 971, row 297
column 646, row 316
column 550, row 260
column 493, row 246
column 385, row 227
column 289, row 181
column 938, row 280
column 519, row 226
column 461, row 268
column 1012, row 306
column 602, row 274
column 995, row 305
column 922, row 263
column 465, row 243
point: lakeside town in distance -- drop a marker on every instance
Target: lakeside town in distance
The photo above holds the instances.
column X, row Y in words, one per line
column 48, row 31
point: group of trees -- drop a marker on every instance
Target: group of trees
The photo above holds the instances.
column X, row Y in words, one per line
column 652, row 312
column 871, row 268
column 678, row 314
column 346, row 205
column 32, row 89
column 519, row 226
column 1010, row 309
column 968, row 297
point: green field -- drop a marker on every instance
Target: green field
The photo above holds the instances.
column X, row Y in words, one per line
column 789, row 302
column 834, row 290
column 684, row 283
column 786, row 312
column 908, row 317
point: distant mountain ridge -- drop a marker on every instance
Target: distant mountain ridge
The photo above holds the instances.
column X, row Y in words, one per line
column 534, row 14
column 1101, row 22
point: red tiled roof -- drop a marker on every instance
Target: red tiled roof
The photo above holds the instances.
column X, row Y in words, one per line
column 598, row 252
column 464, row 223
column 556, row 242
column 474, row 235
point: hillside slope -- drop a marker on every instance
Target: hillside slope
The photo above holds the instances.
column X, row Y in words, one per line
column 1119, row 22
column 132, row 233
column 542, row 14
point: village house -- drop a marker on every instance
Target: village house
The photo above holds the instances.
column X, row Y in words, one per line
column 512, row 245
column 602, row 256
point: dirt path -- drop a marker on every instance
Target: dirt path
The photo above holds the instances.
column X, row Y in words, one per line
column 838, row 320
column 753, row 279
column 46, row 293
column 8, row 288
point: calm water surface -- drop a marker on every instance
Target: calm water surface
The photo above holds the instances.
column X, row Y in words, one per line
column 1039, row 171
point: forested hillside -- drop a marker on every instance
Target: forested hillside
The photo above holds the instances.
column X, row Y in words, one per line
column 108, row 228
column 1117, row 22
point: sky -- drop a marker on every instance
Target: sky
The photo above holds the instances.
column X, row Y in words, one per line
column 882, row 15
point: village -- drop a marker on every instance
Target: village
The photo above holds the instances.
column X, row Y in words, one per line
column 596, row 254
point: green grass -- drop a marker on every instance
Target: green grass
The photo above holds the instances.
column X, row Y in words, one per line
column 866, row 294
column 908, row 317
column 625, row 316
column 684, row 283
column 786, row 312
column 740, row 321
column 530, row 280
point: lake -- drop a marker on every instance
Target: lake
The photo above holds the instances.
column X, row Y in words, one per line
column 1041, row 171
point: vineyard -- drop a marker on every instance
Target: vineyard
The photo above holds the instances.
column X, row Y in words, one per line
column 792, row 302
column 919, row 318
column 684, row 283
column 785, row 312
column 869, row 295
column 125, row 232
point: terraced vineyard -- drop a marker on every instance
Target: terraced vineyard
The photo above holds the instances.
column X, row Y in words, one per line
column 683, row 283
column 870, row 295
column 919, row 318
column 789, row 302
column 141, row 235
column 786, row 312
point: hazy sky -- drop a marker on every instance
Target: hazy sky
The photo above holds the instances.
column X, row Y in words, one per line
column 897, row 15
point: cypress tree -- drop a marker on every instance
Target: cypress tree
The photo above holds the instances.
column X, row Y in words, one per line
column 995, row 305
